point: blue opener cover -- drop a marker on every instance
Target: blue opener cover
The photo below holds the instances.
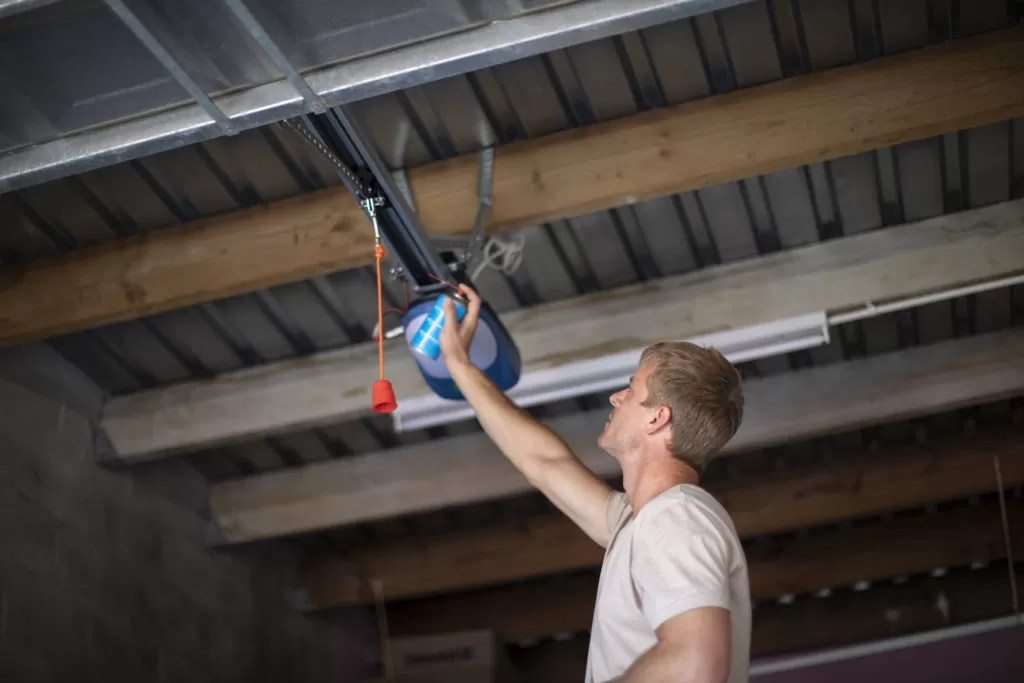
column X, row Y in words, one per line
column 492, row 350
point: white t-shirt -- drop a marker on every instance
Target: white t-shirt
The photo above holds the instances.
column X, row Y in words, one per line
column 679, row 553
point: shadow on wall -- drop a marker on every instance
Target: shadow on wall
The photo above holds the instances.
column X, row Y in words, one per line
column 105, row 574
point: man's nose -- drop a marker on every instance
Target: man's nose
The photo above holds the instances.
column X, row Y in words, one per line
column 615, row 398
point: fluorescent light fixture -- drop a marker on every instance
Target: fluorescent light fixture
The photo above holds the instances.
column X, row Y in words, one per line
column 609, row 372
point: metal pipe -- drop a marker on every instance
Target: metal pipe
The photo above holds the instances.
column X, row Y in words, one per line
column 871, row 310
column 881, row 646
column 475, row 48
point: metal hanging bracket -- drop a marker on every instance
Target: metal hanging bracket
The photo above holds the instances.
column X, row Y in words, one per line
column 484, row 190
column 474, row 242
column 403, row 185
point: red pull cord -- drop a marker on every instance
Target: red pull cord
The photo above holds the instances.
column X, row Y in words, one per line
column 382, row 393
column 378, row 251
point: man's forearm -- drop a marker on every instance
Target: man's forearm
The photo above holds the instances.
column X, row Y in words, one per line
column 522, row 439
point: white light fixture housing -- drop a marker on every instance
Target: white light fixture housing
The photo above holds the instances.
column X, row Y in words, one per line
column 609, row 372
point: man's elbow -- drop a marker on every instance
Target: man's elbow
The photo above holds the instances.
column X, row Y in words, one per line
column 666, row 664
column 713, row 672
column 535, row 470
column 695, row 646
column 704, row 669
column 540, row 466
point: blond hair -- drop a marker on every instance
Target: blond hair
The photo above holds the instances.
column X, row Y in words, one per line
column 705, row 394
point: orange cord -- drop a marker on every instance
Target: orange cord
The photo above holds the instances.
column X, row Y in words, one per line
column 378, row 251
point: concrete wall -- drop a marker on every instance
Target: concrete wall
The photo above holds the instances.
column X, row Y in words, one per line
column 105, row 575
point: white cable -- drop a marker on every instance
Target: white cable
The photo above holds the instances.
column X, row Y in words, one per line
column 503, row 255
column 388, row 334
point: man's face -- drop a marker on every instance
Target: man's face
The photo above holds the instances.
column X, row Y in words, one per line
column 627, row 422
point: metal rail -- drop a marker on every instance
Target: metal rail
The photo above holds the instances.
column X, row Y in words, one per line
column 401, row 228
column 475, row 48
column 337, row 137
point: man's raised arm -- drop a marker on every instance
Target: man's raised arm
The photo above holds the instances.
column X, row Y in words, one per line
column 536, row 451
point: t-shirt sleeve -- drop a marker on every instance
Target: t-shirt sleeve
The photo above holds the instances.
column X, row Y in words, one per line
column 681, row 561
column 616, row 511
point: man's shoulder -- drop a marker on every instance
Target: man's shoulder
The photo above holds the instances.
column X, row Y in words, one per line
column 688, row 507
column 685, row 508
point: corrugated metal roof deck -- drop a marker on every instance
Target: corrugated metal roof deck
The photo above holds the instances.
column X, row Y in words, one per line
column 735, row 48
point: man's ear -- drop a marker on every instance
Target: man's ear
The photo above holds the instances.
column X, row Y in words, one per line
column 661, row 418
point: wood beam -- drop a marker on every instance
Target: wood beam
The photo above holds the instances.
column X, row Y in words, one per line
column 835, row 559
column 779, row 409
column 939, row 89
column 813, row 624
column 865, row 486
column 879, row 266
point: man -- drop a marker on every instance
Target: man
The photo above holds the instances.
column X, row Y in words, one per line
column 673, row 599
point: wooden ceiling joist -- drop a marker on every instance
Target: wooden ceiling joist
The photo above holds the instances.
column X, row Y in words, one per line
column 836, row 559
column 897, row 479
column 880, row 266
column 461, row 470
column 931, row 91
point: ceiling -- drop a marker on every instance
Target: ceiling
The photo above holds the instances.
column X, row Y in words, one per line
column 666, row 63
column 73, row 65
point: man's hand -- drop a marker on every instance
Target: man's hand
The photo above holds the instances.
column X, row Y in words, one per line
column 455, row 338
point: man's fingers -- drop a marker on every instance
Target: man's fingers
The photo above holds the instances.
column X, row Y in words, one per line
column 469, row 322
column 450, row 322
column 469, row 293
column 454, row 333
column 449, row 339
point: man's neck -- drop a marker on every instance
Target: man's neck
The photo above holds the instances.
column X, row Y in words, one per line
column 648, row 478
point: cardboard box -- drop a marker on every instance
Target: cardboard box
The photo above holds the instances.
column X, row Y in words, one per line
column 466, row 657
